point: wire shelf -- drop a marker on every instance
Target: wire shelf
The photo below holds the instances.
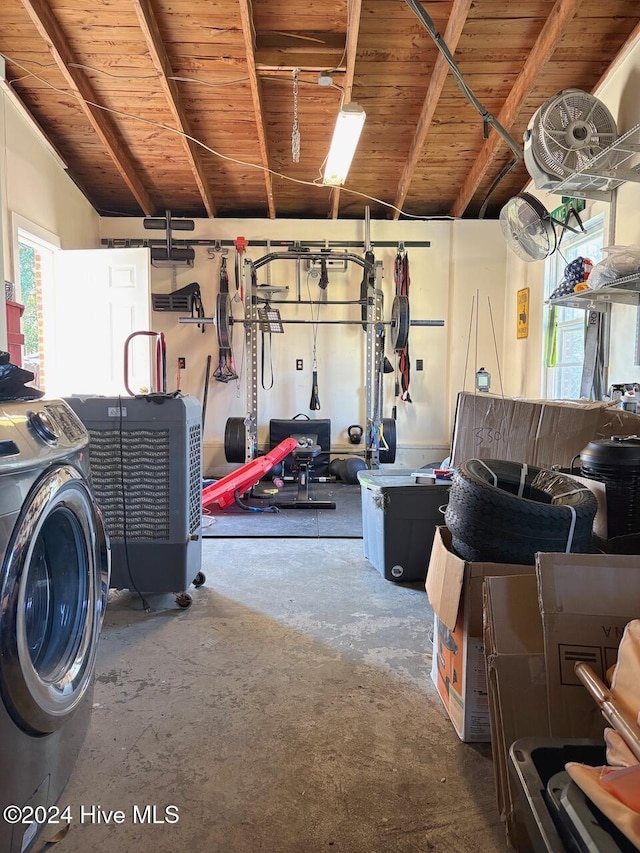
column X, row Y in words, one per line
column 624, row 290
column 611, row 167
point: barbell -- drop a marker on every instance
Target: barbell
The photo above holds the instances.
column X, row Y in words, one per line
column 399, row 323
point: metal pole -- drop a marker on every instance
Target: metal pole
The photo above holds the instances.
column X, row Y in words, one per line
column 367, row 229
column 255, row 321
column 308, row 256
column 262, row 299
column 251, row 355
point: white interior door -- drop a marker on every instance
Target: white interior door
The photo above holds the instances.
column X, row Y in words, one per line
column 99, row 297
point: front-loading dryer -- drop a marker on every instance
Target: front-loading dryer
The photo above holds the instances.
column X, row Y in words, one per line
column 53, row 590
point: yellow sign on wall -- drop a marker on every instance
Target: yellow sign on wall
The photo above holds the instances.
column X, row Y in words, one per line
column 522, row 324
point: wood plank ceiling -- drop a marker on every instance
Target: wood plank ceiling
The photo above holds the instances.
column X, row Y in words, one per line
column 188, row 105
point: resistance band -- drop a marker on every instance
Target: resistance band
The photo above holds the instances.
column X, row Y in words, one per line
column 263, row 359
column 314, row 402
column 402, row 281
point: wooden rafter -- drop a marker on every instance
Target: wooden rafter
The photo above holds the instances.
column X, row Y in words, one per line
column 632, row 38
column 455, row 25
column 353, row 30
column 49, row 29
column 157, row 50
column 559, row 18
column 256, row 96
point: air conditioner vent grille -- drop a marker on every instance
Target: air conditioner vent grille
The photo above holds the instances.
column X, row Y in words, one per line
column 195, row 479
column 133, row 464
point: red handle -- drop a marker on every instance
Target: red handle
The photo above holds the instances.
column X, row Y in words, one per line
column 161, row 361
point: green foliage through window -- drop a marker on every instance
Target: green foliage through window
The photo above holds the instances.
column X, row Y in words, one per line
column 28, row 295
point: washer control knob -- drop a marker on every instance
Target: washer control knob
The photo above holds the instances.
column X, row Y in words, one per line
column 41, row 424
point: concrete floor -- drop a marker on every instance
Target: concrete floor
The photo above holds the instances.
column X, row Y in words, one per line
column 289, row 710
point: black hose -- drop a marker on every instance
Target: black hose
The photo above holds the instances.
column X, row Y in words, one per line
column 486, row 116
column 245, row 506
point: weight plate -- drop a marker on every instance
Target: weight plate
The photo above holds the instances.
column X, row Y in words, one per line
column 388, row 455
column 235, row 440
column 400, row 322
column 223, row 321
column 363, row 300
column 367, row 286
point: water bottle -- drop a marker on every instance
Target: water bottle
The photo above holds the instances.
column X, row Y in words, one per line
column 629, row 402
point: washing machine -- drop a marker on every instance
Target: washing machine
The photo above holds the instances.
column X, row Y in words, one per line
column 53, row 591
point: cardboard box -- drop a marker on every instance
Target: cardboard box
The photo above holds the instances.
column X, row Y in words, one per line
column 538, row 432
column 517, row 687
column 454, row 588
column 586, row 600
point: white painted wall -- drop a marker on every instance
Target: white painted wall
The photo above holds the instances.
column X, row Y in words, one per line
column 34, row 185
column 463, row 257
column 477, row 300
column 619, row 92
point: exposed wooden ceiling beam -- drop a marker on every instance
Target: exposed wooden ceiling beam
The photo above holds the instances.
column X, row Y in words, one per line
column 158, row 53
column 256, row 96
column 49, row 29
column 455, row 25
column 353, row 30
column 559, row 18
column 620, row 55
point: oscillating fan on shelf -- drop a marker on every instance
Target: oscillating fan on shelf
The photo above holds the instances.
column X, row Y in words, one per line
column 564, row 135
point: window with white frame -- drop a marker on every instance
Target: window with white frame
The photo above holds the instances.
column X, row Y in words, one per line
column 564, row 350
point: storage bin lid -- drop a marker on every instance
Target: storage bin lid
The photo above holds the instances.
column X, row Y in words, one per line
column 617, row 450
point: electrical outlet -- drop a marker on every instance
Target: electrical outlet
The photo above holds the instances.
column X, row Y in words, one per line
column 298, row 364
column 182, row 362
column 419, row 364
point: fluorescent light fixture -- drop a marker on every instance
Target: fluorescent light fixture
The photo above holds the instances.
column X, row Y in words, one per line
column 343, row 144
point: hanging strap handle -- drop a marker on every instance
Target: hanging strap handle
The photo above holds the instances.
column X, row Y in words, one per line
column 314, row 402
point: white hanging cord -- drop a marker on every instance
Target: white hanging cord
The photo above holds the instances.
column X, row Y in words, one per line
column 477, row 321
column 314, row 322
column 466, row 360
column 524, row 470
column 572, row 527
column 295, row 133
column 495, row 347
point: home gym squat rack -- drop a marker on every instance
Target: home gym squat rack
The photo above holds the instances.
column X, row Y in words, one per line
column 371, row 302
column 243, row 431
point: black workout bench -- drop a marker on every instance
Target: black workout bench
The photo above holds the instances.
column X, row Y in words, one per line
column 303, row 456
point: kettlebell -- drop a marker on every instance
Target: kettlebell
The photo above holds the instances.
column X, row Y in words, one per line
column 355, row 433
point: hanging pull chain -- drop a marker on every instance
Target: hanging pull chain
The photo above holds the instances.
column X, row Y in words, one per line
column 295, row 133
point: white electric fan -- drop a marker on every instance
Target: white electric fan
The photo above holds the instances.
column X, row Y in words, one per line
column 565, row 134
column 528, row 228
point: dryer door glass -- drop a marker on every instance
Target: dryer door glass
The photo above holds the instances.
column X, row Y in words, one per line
column 55, row 577
column 55, row 595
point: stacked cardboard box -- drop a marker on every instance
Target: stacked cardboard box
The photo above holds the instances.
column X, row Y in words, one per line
column 517, row 683
column 454, row 588
column 538, row 432
column 538, row 621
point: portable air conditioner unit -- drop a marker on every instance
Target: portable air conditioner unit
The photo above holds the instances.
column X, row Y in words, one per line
column 146, row 471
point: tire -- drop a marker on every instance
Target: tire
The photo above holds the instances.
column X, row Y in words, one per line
column 492, row 523
column 235, row 438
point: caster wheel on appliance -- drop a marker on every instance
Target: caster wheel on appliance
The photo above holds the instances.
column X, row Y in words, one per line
column 199, row 579
column 184, row 600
